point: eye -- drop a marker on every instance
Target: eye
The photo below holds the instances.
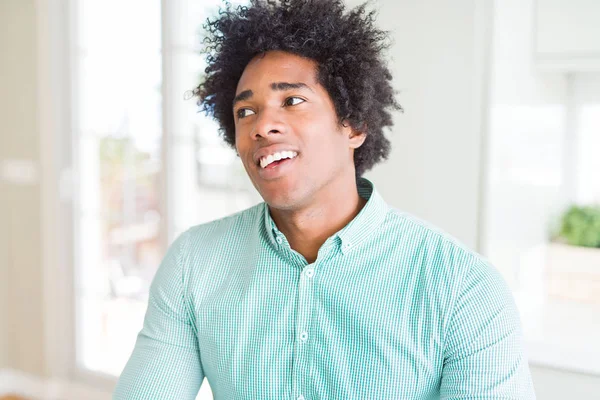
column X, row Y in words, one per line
column 243, row 112
column 292, row 101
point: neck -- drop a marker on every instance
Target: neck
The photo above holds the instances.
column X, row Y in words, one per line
column 307, row 228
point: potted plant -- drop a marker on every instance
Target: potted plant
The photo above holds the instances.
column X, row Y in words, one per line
column 573, row 262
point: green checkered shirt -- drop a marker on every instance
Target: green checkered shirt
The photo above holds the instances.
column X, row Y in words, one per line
column 391, row 309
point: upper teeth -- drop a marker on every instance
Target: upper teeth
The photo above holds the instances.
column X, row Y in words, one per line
column 264, row 161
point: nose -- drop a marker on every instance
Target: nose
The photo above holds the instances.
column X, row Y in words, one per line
column 268, row 122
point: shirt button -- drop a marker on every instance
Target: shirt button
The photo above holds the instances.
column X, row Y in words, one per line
column 301, row 397
column 279, row 240
column 304, row 336
column 309, row 272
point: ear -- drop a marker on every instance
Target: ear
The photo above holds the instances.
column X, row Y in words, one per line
column 356, row 138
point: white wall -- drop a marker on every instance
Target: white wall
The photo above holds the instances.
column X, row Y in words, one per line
column 527, row 111
column 3, row 275
column 438, row 66
column 21, row 319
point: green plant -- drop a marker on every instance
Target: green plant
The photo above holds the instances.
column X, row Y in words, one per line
column 580, row 226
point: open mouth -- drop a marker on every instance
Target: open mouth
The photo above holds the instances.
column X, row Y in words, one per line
column 276, row 166
column 276, row 159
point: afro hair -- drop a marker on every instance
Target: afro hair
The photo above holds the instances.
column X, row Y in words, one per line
column 347, row 48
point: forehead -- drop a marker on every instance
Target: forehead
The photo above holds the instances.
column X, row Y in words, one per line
column 277, row 66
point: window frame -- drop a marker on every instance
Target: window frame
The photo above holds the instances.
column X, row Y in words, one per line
column 57, row 90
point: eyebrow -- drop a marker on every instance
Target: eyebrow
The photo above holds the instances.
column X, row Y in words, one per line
column 278, row 86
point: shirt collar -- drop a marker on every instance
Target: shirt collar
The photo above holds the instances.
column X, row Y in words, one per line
column 366, row 222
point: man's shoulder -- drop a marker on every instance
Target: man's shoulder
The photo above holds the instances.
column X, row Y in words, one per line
column 238, row 224
column 439, row 246
column 449, row 267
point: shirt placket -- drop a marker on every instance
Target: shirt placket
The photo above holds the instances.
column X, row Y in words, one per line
column 302, row 354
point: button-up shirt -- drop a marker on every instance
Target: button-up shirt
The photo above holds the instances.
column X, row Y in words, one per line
column 392, row 308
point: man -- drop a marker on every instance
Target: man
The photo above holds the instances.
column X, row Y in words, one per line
column 323, row 291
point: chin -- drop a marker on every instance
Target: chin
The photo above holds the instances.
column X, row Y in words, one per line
column 281, row 199
column 274, row 191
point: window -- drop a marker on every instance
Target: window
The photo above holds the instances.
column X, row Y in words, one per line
column 543, row 145
column 148, row 164
column 544, row 159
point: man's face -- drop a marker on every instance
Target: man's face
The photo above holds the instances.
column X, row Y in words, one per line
column 282, row 111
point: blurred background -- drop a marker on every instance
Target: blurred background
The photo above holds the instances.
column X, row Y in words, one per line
column 105, row 159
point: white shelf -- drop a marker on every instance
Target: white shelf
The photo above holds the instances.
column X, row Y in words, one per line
column 561, row 334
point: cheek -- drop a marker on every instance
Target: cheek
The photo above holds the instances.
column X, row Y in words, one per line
column 240, row 143
column 243, row 152
column 319, row 127
column 326, row 135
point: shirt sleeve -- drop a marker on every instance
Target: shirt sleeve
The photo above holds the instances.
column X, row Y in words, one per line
column 165, row 363
column 484, row 356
